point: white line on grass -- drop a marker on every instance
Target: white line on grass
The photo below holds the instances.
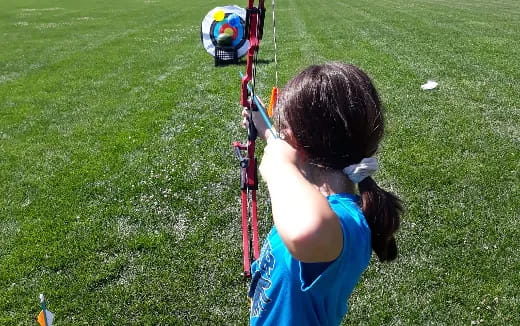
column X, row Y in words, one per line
column 41, row 9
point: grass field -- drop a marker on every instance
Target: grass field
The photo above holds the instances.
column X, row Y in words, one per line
column 119, row 188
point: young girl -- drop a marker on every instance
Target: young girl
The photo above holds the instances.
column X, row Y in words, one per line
column 331, row 122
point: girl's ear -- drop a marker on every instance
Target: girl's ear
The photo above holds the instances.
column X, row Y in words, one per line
column 287, row 135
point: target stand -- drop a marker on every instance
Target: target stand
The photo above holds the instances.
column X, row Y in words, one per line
column 225, row 55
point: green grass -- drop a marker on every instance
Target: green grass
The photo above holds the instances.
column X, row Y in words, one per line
column 119, row 184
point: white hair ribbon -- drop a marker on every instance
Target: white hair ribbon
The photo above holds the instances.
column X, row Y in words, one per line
column 365, row 168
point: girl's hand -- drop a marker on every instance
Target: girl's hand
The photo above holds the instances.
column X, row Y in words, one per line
column 260, row 124
column 278, row 155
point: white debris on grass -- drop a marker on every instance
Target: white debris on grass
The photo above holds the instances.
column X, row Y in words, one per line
column 430, row 84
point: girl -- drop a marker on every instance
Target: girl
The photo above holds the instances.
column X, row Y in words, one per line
column 331, row 122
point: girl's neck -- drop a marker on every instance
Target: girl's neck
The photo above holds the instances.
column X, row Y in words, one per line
column 328, row 181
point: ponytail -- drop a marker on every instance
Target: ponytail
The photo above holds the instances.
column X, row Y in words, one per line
column 381, row 210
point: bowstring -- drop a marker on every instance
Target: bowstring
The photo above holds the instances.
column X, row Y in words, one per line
column 276, row 66
column 275, row 46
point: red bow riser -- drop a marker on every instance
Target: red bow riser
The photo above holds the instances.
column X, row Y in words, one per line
column 248, row 164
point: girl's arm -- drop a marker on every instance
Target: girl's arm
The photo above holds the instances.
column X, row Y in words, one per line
column 302, row 215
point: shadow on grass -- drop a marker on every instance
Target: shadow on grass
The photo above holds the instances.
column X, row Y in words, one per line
column 244, row 62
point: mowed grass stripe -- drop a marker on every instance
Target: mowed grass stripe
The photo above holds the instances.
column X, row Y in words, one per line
column 73, row 111
column 482, row 60
column 82, row 29
column 498, row 9
column 483, row 69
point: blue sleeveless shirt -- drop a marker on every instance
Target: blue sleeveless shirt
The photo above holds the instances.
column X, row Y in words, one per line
column 285, row 291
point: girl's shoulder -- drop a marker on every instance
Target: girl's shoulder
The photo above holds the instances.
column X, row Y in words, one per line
column 345, row 204
column 353, row 222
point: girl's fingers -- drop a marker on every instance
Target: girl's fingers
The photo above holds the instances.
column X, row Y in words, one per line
column 257, row 120
column 245, row 115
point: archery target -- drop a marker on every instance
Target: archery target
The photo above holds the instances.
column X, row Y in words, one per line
column 216, row 23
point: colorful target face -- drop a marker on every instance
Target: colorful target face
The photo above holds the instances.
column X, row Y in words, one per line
column 223, row 20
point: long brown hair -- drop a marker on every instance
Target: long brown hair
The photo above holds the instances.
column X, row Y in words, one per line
column 335, row 116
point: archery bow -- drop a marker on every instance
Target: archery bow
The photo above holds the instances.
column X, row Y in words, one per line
column 248, row 165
